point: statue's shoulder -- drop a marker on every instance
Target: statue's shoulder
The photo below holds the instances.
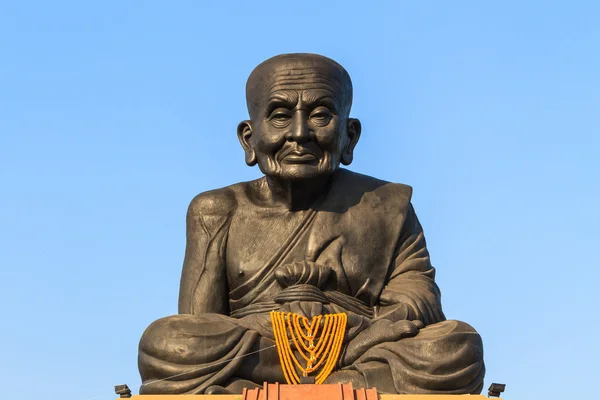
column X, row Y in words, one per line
column 217, row 202
column 364, row 185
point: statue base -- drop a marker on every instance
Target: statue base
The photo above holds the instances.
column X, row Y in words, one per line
column 276, row 391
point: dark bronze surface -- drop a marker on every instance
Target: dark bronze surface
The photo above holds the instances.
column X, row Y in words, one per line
column 311, row 238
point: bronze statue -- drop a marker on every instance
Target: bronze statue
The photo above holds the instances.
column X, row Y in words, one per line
column 310, row 238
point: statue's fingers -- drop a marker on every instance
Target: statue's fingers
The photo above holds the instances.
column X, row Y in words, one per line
column 419, row 324
column 313, row 309
column 405, row 329
column 285, row 308
column 296, row 308
column 353, row 320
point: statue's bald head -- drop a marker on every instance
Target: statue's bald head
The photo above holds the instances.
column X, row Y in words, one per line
column 298, row 71
column 299, row 125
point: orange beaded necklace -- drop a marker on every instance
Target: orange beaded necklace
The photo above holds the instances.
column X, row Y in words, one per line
column 322, row 354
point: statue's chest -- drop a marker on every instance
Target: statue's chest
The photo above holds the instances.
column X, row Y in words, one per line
column 255, row 236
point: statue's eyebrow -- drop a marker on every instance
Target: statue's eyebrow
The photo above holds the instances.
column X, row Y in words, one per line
column 321, row 97
column 287, row 99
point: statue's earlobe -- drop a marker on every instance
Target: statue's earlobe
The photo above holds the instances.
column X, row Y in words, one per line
column 353, row 130
column 244, row 132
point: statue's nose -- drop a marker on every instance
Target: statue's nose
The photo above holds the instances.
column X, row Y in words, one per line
column 299, row 131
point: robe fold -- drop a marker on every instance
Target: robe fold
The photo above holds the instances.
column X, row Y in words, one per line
column 359, row 250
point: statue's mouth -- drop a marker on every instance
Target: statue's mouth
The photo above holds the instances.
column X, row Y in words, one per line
column 299, row 157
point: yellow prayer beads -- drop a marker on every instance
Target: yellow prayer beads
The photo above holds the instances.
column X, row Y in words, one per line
column 292, row 328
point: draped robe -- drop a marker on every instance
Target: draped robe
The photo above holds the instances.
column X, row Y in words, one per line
column 360, row 249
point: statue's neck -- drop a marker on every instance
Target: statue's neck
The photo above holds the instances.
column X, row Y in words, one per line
column 295, row 195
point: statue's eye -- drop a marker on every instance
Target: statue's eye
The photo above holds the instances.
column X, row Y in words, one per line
column 280, row 117
column 321, row 116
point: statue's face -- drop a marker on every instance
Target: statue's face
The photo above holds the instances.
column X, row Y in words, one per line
column 299, row 128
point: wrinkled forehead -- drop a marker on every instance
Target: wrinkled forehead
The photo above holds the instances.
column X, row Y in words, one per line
column 301, row 74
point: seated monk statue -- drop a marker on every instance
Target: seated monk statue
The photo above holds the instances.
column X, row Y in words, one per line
column 309, row 238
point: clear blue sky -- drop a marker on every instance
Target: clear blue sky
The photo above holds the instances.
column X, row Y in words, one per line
column 114, row 114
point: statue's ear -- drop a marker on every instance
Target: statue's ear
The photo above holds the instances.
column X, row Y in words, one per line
column 244, row 132
column 353, row 131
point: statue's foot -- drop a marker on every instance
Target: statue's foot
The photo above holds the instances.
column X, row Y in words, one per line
column 348, row 376
column 235, row 386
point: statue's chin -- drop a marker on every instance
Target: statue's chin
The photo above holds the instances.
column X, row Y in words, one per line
column 299, row 172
